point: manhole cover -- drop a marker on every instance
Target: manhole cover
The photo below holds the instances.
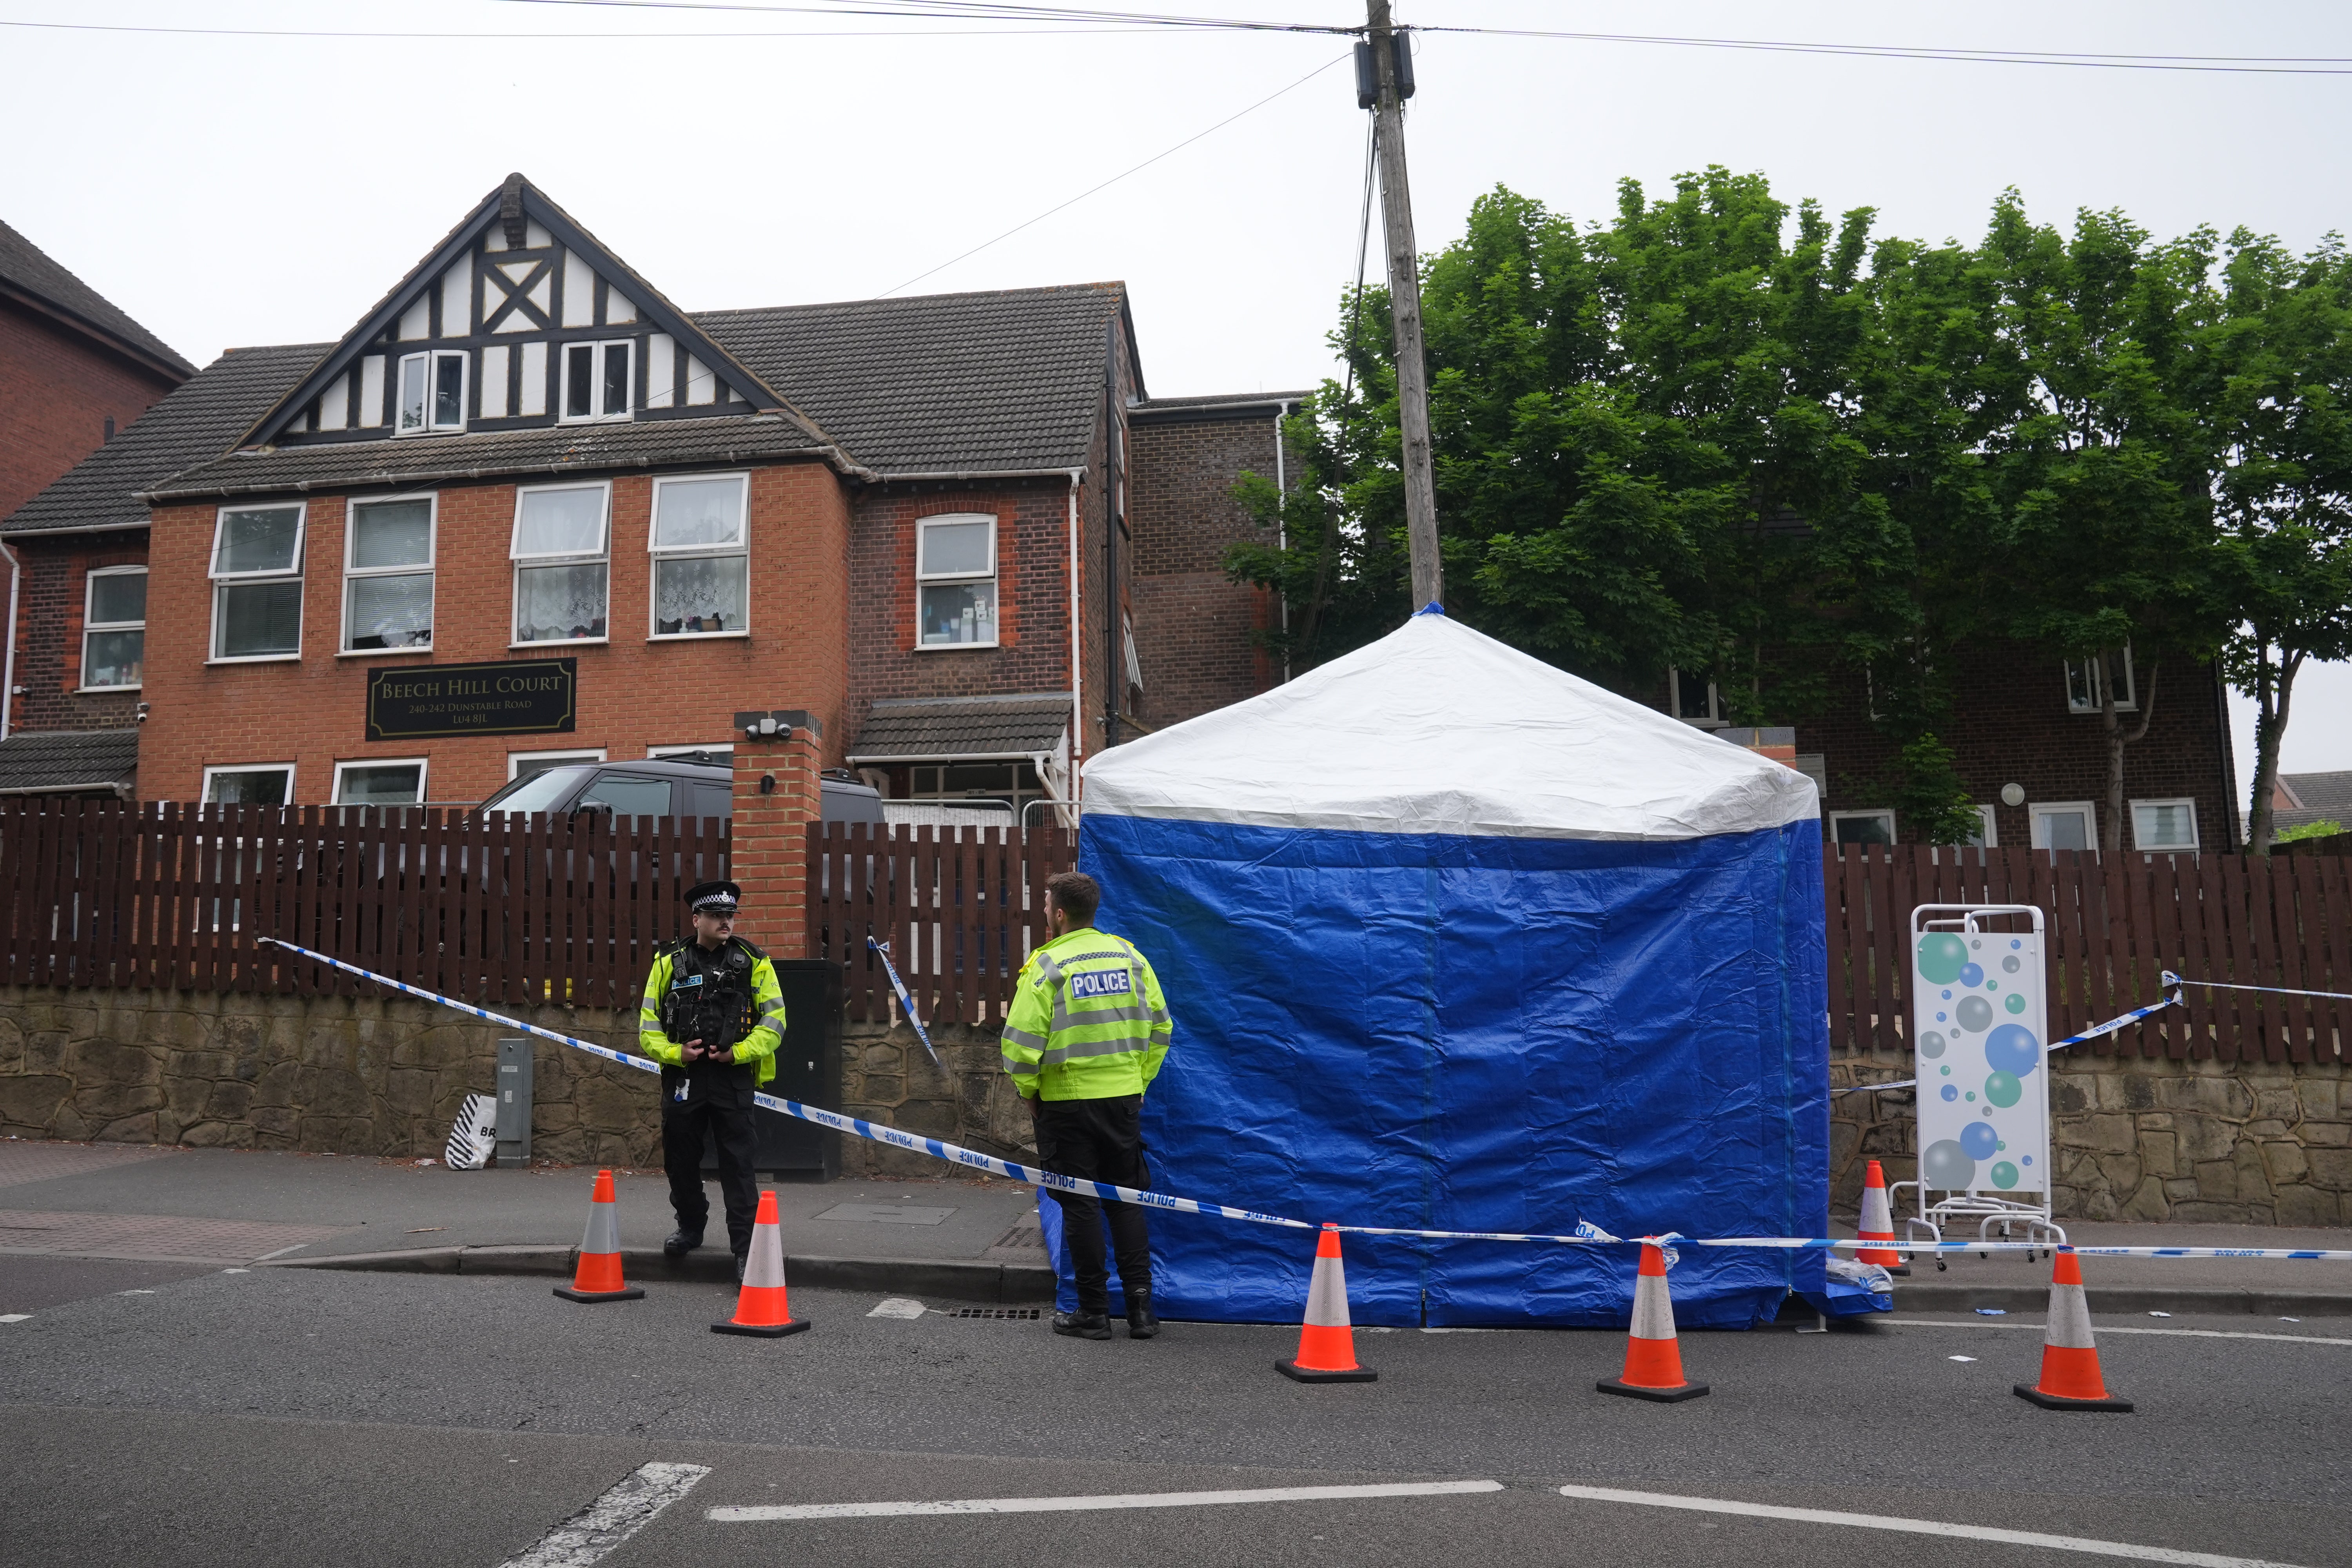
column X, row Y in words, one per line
column 1024, row 1313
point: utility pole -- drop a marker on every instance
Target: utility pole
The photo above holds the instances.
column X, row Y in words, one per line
column 1404, row 304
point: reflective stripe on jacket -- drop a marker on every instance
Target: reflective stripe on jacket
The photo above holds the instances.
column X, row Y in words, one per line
column 757, row 1049
column 1087, row 1021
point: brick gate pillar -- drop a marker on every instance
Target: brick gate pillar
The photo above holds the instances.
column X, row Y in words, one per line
column 778, row 792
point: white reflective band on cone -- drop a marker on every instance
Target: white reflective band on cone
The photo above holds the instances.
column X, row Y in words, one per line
column 1326, row 1295
column 1875, row 1219
column 603, row 1232
column 2070, row 1318
column 764, row 1269
column 1654, row 1313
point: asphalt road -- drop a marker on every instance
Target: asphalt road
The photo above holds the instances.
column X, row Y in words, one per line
column 284, row 1416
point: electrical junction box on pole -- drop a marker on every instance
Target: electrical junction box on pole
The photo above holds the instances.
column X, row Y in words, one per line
column 514, row 1104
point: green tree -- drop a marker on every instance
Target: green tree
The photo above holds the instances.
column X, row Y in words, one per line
column 2283, row 351
column 2103, row 473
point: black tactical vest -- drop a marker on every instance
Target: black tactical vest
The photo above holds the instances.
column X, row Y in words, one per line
column 709, row 996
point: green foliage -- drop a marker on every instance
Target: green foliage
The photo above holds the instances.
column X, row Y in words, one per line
column 1930, row 797
column 2327, row 829
column 1722, row 434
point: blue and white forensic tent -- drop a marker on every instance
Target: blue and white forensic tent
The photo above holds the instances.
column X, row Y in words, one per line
column 1453, row 940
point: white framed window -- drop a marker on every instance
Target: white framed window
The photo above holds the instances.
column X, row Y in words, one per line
column 955, row 580
column 257, row 571
column 721, row 754
column 2064, row 824
column 2086, row 690
column 1876, row 826
column 1988, row 832
column 1693, row 699
column 561, row 564
column 250, row 783
column 598, row 381
column 702, row 560
column 432, row 393
column 2164, row 823
column 114, row 629
column 376, row 782
column 388, row 575
column 523, row 765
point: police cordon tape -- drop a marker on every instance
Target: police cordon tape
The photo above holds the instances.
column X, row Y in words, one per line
column 881, row 950
column 2092, row 1033
column 1586, row 1235
column 2170, row 981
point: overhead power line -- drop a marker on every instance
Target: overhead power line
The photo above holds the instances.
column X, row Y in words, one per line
column 1115, row 178
column 1007, row 18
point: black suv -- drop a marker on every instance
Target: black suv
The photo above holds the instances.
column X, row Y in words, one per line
column 696, row 784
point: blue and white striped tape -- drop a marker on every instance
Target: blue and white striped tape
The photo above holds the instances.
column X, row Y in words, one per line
column 1586, row 1235
column 906, row 1003
column 2092, row 1033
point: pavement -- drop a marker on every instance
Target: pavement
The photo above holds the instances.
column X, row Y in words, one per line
column 978, row 1238
column 975, row 1239
column 289, row 1416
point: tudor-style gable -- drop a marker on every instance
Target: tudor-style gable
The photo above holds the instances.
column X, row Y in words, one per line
column 519, row 319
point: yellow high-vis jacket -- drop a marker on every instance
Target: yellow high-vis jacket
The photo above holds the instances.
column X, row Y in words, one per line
column 736, row 965
column 1089, row 1021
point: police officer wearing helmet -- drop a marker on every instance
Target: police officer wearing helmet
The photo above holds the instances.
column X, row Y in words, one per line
column 713, row 1017
column 1086, row 1036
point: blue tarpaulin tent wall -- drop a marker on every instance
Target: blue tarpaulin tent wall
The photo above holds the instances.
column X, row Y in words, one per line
column 1453, row 940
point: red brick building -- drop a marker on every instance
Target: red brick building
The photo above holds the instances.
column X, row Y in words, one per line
column 528, row 509
column 75, row 369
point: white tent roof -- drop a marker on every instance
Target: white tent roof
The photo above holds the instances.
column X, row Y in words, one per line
column 1440, row 729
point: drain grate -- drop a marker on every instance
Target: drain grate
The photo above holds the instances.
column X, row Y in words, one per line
column 1028, row 1235
column 1026, row 1314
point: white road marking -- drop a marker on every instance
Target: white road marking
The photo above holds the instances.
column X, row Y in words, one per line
column 1924, row 1527
column 898, row 1307
column 629, row 1507
column 14, row 1317
column 1959, row 1358
column 2128, row 1329
column 281, row 1252
column 755, row 1513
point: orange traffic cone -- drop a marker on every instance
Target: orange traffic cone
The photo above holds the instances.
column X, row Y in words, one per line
column 761, row 1309
column 1327, row 1344
column 1654, row 1362
column 597, row 1276
column 1878, row 1224
column 2070, row 1361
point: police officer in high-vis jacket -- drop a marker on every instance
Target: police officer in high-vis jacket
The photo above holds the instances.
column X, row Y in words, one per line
column 1086, row 1033
column 713, row 1017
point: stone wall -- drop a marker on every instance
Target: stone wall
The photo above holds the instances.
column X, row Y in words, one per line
column 2131, row 1138
column 387, row 1076
column 2245, row 1142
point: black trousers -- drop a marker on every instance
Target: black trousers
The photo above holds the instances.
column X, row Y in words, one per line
column 717, row 1103
column 1102, row 1140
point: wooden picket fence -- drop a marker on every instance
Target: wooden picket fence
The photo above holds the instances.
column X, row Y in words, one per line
column 2114, row 925
column 514, row 909
column 960, row 908
column 488, row 909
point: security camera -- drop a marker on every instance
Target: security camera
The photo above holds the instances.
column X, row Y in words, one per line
column 142, row 712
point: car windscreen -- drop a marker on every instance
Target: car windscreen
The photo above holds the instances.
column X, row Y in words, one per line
column 540, row 791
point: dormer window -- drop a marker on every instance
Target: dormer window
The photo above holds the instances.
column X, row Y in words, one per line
column 432, row 394
column 597, row 381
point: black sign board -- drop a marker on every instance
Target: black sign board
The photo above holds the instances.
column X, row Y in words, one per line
column 517, row 697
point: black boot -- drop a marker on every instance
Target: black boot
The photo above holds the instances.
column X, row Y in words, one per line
column 740, row 1258
column 1083, row 1325
column 1142, row 1322
column 680, row 1242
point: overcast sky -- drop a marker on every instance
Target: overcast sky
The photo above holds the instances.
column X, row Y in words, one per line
column 235, row 190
